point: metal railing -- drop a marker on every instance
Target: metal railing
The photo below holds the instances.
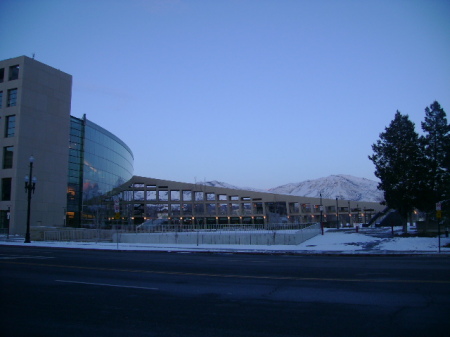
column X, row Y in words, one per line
column 106, row 235
column 80, row 235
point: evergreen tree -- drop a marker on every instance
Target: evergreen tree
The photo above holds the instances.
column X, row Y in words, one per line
column 397, row 158
column 436, row 149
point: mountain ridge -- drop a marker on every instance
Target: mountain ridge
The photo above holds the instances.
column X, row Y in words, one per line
column 342, row 186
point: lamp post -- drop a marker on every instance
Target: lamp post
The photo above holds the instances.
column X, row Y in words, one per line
column 337, row 214
column 349, row 214
column 321, row 214
column 30, row 185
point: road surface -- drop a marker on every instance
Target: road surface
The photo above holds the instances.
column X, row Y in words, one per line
column 70, row 292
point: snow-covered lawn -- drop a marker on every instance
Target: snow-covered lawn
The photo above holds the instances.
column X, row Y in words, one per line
column 333, row 242
column 362, row 243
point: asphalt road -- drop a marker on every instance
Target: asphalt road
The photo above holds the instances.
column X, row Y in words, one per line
column 65, row 292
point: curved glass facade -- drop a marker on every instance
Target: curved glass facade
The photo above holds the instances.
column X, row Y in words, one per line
column 108, row 162
column 98, row 162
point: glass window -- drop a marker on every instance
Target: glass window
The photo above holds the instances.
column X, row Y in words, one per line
column 163, row 211
column 222, row 197
column 199, row 209
column 1, row 99
column 14, row 72
column 6, row 189
column 8, row 157
column 247, row 208
column 294, row 207
column 198, row 196
column 306, row 208
column 211, row 209
column 175, row 209
column 258, row 208
column 163, row 195
column 138, row 195
column 210, row 196
column 187, row 196
column 152, row 210
column 223, row 209
column 175, row 195
column 2, row 74
column 235, row 209
column 10, row 126
column 12, row 97
column 187, row 209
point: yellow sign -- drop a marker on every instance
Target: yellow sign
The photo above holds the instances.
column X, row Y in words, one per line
column 117, row 216
column 438, row 214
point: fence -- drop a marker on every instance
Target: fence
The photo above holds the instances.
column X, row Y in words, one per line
column 227, row 237
column 279, row 234
column 83, row 235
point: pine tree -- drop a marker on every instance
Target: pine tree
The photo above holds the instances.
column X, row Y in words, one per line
column 436, row 149
column 397, row 157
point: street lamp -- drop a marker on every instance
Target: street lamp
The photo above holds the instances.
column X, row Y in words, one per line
column 30, row 185
column 337, row 214
column 349, row 214
column 321, row 213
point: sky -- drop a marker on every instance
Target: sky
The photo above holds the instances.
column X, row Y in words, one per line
column 254, row 93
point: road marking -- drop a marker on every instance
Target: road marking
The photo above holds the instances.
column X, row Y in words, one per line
column 106, row 285
column 289, row 278
column 14, row 257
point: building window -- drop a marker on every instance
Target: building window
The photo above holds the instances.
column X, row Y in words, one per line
column 10, row 126
column 151, row 195
column 163, row 195
column 2, row 74
column 8, row 157
column 1, row 99
column 6, row 189
column 175, row 195
column 14, row 72
column 12, row 97
column 187, row 195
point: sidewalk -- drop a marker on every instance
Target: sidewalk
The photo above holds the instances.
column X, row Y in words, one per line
column 342, row 242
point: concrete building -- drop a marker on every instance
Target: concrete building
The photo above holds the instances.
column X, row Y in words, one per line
column 144, row 198
column 35, row 104
column 85, row 173
column 75, row 160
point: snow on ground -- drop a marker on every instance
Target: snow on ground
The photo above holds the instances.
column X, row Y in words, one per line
column 333, row 242
column 413, row 243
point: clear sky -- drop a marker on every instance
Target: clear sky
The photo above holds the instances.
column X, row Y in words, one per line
column 251, row 93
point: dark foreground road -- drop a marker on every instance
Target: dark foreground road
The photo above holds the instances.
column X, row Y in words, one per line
column 63, row 292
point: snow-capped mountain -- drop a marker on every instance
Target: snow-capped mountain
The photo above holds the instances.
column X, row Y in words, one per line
column 342, row 186
column 216, row 183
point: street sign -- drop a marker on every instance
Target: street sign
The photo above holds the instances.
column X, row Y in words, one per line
column 439, row 214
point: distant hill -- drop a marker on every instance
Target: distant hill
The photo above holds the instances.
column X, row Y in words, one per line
column 344, row 187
